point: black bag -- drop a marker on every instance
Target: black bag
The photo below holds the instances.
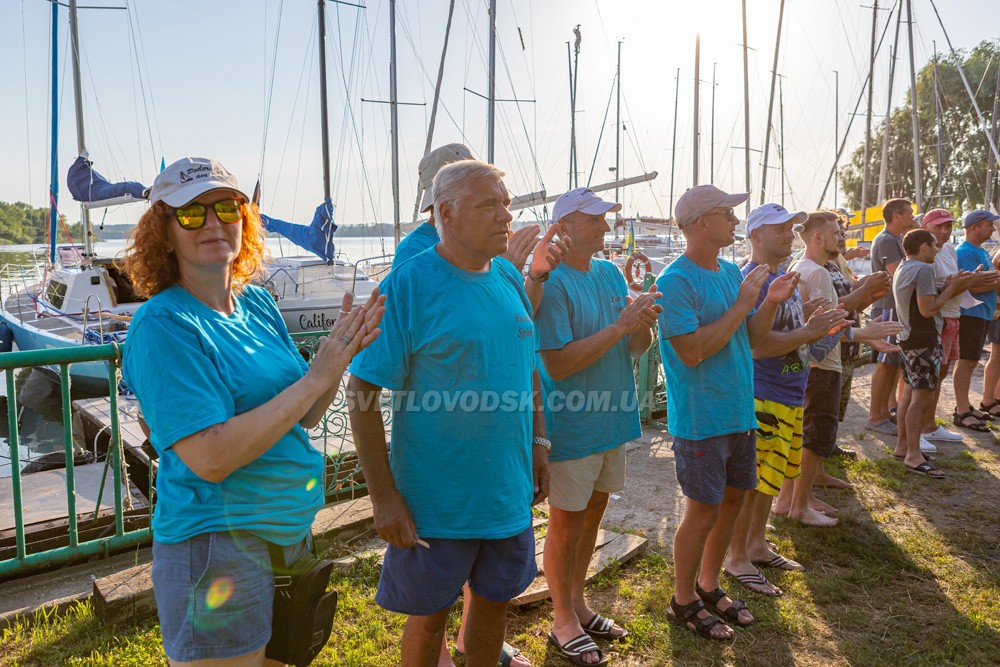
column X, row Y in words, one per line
column 303, row 609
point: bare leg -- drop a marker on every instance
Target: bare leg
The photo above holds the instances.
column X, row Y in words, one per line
column 920, row 400
column 585, row 545
column 689, row 544
column 422, row 635
column 749, row 542
column 486, row 627
column 718, row 542
column 903, row 422
column 991, row 375
column 883, row 383
column 962, row 378
column 802, row 491
column 930, row 424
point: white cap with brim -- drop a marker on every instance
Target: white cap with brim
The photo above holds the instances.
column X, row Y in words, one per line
column 583, row 200
column 189, row 178
column 701, row 199
column 774, row 214
column 432, row 163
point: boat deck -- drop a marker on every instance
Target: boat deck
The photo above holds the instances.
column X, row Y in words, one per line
column 21, row 307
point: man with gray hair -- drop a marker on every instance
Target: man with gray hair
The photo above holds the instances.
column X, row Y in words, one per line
column 545, row 253
column 454, row 499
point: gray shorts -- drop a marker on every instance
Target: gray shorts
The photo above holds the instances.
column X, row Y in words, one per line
column 706, row 467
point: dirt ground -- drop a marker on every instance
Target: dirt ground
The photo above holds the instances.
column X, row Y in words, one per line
column 652, row 503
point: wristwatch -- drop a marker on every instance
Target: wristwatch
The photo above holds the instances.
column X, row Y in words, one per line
column 542, row 442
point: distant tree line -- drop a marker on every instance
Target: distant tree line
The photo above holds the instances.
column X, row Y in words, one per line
column 964, row 147
column 23, row 223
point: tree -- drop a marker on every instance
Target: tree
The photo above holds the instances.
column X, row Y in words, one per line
column 22, row 223
column 964, row 145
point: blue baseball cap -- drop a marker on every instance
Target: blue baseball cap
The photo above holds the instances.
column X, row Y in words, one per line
column 972, row 217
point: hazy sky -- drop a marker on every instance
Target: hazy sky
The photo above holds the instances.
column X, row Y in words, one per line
column 170, row 78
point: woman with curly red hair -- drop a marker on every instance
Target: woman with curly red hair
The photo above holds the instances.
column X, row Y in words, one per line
column 226, row 397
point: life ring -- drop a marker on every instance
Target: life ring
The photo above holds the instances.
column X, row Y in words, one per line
column 636, row 267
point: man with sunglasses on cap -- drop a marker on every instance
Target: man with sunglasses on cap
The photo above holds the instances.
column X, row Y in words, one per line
column 708, row 323
column 780, row 371
column 589, row 331
column 545, row 252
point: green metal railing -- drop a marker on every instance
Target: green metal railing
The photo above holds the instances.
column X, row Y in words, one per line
column 344, row 478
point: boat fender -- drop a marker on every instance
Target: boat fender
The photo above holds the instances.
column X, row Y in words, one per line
column 636, row 267
column 6, row 337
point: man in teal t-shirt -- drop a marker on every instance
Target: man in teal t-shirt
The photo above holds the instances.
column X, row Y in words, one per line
column 707, row 325
column 589, row 330
column 468, row 454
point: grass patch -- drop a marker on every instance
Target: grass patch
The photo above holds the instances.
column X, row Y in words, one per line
column 909, row 576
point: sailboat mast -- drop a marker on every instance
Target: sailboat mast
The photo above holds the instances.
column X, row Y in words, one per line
column 618, row 118
column 770, row 105
column 937, row 117
column 883, row 169
column 781, row 136
column 673, row 149
column 746, row 107
column 711, row 136
column 394, row 122
column 54, row 172
column 325, row 135
column 88, row 250
column 866, row 171
column 992, row 162
column 917, row 178
column 492, row 82
column 697, row 96
column 572, row 118
column 836, row 133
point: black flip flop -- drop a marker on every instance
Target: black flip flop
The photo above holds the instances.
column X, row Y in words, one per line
column 925, row 469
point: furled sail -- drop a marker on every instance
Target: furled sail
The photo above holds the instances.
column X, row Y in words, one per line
column 95, row 191
column 316, row 237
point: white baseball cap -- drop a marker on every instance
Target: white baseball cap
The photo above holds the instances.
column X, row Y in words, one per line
column 189, row 178
column 431, row 164
column 774, row 214
column 583, row 200
column 701, row 199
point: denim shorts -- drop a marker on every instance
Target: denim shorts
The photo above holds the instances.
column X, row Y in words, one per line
column 214, row 594
column 706, row 467
column 421, row 581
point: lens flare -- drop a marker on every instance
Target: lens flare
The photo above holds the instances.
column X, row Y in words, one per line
column 219, row 592
column 311, row 484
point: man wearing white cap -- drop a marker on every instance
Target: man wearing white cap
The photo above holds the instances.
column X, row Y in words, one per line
column 519, row 246
column 780, row 371
column 708, row 323
column 589, row 330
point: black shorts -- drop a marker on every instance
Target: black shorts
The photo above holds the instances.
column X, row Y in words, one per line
column 971, row 337
column 922, row 367
column 821, row 411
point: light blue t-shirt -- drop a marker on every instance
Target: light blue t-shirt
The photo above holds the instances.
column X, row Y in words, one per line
column 458, row 350
column 716, row 396
column 414, row 243
column 971, row 257
column 192, row 367
column 594, row 409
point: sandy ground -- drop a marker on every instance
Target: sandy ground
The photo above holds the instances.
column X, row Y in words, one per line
column 652, row 502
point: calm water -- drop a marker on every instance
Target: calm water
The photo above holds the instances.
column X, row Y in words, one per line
column 39, row 403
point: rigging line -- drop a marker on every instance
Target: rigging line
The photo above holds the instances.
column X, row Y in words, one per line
column 269, row 92
column 142, row 89
column 27, row 114
column 304, row 72
column 365, row 181
column 847, row 37
column 600, row 136
column 138, row 48
column 524, row 126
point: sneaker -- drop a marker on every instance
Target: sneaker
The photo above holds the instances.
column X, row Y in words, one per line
column 941, row 434
column 885, row 426
column 927, row 447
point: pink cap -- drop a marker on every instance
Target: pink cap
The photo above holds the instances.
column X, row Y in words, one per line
column 936, row 216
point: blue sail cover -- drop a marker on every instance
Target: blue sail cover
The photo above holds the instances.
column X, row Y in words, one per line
column 86, row 185
column 316, row 237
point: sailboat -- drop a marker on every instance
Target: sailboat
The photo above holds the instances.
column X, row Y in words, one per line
column 80, row 298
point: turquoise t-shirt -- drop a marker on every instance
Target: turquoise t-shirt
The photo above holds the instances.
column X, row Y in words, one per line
column 594, row 409
column 458, row 350
column 971, row 257
column 192, row 367
column 414, row 243
column 716, row 396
